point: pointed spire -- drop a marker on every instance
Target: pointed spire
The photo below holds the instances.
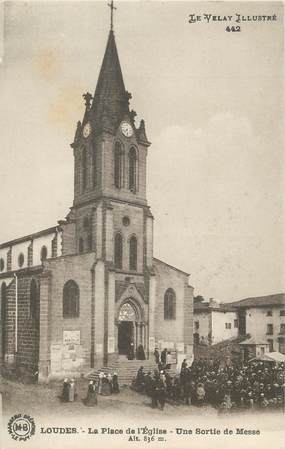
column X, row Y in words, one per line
column 111, row 100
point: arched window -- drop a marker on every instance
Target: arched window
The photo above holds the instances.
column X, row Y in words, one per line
column 94, row 168
column 133, row 253
column 89, row 240
column 84, row 168
column 81, row 245
column 127, row 313
column 3, row 318
column 44, row 252
column 118, row 165
column 34, row 299
column 169, row 305
column 118, row 251
column 86, row 222
column 70, row 300
column 21, row 260
column 133, row 169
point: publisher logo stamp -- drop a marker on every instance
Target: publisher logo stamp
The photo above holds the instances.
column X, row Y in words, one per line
column 21, row 427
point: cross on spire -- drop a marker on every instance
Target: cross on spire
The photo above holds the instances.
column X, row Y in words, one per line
column 112, row 7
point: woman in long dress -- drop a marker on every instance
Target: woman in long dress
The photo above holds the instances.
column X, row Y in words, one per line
column 91, row 398
column 140, row 355
column 106, row 387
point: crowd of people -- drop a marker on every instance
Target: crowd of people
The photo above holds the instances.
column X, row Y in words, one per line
column 106, row 385
column 139, row 354
column 228, row 387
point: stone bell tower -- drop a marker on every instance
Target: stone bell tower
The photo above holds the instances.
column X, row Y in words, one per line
column 110, row 210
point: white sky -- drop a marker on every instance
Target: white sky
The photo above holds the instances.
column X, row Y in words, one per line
column 212, row 102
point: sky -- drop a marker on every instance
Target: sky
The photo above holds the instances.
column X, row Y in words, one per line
column 212, row 101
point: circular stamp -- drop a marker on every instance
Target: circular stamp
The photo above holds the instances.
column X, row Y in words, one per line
column 21, row 427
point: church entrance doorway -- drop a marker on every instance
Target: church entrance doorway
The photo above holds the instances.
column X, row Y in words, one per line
column 131, row 329
column 125, row 337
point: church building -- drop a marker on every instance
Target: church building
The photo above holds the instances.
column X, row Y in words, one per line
column 78, row 296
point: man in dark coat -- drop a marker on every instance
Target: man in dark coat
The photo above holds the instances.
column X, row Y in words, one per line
column 156, row 355
column 65, row 390
column 163, row 357
column 116, row 388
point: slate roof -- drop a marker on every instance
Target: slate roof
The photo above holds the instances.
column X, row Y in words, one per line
column 111, row 100
column 260, row 301
column 254, row 341
column 218, row 307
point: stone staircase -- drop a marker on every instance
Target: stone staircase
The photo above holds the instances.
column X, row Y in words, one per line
column 126, row 369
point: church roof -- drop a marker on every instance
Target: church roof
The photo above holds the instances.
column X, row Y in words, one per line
column 170, row 266
column 33, row 236
column 111, row 100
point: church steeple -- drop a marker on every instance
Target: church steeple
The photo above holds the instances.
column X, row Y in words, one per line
column 111, row 100
column 109, row 149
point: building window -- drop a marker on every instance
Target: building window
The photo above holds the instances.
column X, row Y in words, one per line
column 54, row 246
column 70, row 300
column 132, row 169
column 89, row 239
column 94, row 164
column 282, row 312
column 21, row 260
column 169, row 305
column 228, row 325
column 235, row 323
column 86, row 223
column 270, row 343
column 3, row 326
column 196, row 325
column 118, row 165
column 2, row 264
column 281, row 345
column 118, row 251
column 34, row 304
column 269, row 313
column 81, row 245
column 269, row 329
column 83, row 169
column 44, row 253
column 126, row 221
column 282, row 328
column 262, row 350
column 133, row 253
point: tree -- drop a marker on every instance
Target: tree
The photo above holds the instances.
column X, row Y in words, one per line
column 198, row 298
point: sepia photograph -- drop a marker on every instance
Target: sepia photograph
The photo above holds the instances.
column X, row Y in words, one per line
column 142, row 287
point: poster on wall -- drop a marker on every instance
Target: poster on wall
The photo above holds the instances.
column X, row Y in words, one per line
column 142, row 200
column 71, row 337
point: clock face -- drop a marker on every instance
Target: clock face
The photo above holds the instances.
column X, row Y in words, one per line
column 87, row 130
column 126, row 129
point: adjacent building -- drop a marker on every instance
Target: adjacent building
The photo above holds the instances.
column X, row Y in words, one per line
column 260, row 319
column 263, row 318
column 214, row 322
